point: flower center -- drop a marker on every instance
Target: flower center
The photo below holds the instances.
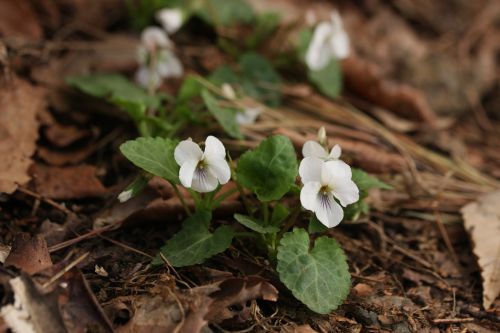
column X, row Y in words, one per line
column 324, row 190
column 201, row 164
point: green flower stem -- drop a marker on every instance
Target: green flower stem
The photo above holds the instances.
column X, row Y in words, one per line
column 181, row 198
column 290, row 223
column 265, row 212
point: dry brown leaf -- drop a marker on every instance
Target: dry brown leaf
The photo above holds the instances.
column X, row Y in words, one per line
column 116, row 53
column 33, row 311
column 80, row 308
column 20, row 103
column 95, row 14
column 64, row 135
column 482, row 221
column 189, row 311
column 17, row 19
column 68, row 183
column 365, row 79
column 237, row 291
column 29, row 254
column 60, row 158
column 299, row 329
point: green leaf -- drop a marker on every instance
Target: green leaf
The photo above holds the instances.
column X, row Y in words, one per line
column 315, row 226
column 224, row 74
column 355, row 210
column 195, row 243
column 190, row 88
column 264, row 80
column 305, row 37
column 263, row 27
column 319, row 277
column 114, row 87
column 270, row 169
column 255, row 225
column 154, row 155
column 226, row 117
column 135, row 110
column 280, row 213
column 225, row 12
column 365, row 182
column 329, row 79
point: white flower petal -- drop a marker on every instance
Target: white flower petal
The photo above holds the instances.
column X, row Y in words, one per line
column 145, row 77
column 339, row 41
column 337, row 169
column 170, row 18
column 153, row 38
column 310, row 169
column 169, row 65
column 204, row 181
column 346, row 191
column 339, row 44
column 328, row 211
column 318, row 54
column 309, row 195
column 335, row 152
column 214, row 148
column 314, row 149
column 186, row 151
column 248, row 116
column 187, row 171
column 219, row 168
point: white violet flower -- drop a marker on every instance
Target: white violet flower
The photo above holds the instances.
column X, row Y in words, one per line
column 323, row 182
column 170, row 18
column 329, row 40
column 156, row 58
column 200, row 170
column 248, row 115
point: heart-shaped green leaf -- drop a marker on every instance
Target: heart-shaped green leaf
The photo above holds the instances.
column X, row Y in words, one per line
column 114, row 87
column 255, row 225
column 318, row 277
column 270, row 169
column 195, row 243
column 154, row 155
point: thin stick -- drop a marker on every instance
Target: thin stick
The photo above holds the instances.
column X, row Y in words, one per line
column 78, row 239
column 46, row 200
column 65, row 270
column 125, row 246
column 453, row 320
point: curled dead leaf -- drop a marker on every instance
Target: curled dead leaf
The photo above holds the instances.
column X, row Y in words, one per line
column 29, row 254
column 21, row 102
column 482, row 221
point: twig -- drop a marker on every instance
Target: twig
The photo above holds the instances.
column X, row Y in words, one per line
column 125, row 246
column 453, row 320
column 46, row 200
column 78, row 239
column 65, row 269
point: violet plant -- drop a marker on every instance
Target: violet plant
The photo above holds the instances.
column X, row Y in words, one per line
column 315, row 269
